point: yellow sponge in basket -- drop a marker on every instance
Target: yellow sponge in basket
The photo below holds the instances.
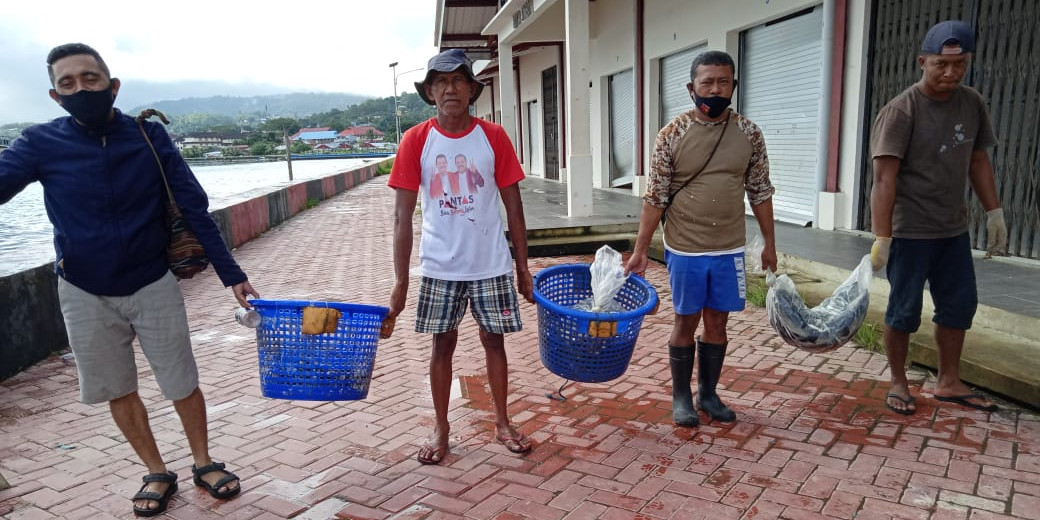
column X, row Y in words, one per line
column 320, row 320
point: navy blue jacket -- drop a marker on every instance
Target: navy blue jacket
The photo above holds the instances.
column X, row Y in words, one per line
column 105, row 197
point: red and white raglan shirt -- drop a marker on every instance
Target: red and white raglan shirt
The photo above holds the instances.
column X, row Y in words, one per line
column 463, row 237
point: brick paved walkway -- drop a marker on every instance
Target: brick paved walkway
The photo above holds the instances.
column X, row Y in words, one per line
column 812, row 441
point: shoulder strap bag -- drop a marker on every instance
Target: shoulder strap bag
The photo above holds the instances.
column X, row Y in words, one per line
column 184, row 253
column 671, row 196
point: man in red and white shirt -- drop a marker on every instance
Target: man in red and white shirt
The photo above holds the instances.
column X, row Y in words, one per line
column 463, row 255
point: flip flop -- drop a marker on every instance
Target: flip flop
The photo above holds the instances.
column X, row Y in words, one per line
column 519, row 444
column 907, row 401
column 963, row 401
column 169, row 478
column 433, row 454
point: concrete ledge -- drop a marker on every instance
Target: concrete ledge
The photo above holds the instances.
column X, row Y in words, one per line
column 995, row 357
column 562, row 246
column 32, row 325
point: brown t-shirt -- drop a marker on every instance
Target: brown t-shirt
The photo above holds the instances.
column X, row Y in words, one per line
column 708, row 214
column 934, row 141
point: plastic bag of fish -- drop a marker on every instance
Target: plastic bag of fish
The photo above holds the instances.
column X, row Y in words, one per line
column 608, row 277
column 830, row 324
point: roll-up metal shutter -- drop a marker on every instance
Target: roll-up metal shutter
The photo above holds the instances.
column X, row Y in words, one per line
column 781, row 81
column 622, row 128
column 675, row 74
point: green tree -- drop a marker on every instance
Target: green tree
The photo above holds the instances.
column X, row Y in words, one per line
column 279, row 124
column 260, row 148
column 300, row 147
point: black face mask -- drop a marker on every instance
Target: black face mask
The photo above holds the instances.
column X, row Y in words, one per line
column 712, row 106
column 90, row 108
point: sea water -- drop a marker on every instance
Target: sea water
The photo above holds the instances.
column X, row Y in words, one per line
column 26, row 235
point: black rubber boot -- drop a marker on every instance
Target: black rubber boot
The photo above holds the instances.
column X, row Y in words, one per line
column 682, row 397
column 709, row 368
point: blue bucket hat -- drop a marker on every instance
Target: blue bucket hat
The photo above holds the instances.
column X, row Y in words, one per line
column 449, row 61
column 952, row 33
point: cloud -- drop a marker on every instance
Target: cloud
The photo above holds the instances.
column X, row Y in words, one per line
column 199, row 48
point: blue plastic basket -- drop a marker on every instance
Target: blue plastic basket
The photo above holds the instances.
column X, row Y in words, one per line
column 335, row 366
column 567, row 348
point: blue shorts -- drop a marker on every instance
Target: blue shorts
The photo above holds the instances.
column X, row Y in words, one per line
column 442, row 304
column 715, row 282
column 946, row 264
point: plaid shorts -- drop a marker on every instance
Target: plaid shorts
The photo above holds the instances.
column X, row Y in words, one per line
column 442, row 304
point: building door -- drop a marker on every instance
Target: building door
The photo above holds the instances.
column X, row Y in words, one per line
column 534, row 139
column 675, row 74
column 781, row 76
column 550, row 126
column 622, row 128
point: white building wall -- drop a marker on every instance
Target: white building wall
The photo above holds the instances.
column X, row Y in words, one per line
column 672, row 25
column 531, row 67
column 853, row 112
column 612, row 49
column 482, row 107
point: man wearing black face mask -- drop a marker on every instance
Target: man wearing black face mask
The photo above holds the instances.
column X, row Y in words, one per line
column 703, row 163
column 104, row 195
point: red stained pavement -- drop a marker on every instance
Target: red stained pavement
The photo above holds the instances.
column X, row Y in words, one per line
column 813, row 439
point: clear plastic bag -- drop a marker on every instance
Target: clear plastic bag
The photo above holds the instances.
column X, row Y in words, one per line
column 830, row 324
column 753, row 253
column 608, row 277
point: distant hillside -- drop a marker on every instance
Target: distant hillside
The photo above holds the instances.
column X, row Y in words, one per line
column 296, row 105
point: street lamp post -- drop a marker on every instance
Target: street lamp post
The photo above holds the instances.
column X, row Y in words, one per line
column 397, row 118
column 397, row 112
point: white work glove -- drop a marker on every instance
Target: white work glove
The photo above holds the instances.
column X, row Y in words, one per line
column 879, row 252
column 996, row 232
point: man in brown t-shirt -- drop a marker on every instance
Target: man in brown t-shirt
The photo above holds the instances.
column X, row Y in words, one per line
column 704, row 161
column 928, row 143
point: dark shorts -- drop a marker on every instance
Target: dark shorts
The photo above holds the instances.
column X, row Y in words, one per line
column 946, row 265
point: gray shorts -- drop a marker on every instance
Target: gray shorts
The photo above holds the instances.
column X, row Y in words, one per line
column 101, row 333
column 442, row 303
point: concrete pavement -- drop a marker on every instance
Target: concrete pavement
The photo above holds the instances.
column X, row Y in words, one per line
column 813, row 439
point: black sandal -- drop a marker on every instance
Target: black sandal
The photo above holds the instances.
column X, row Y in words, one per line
column 162, row 498
column 214, row 490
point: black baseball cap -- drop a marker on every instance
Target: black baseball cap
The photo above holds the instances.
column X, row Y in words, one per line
column 953, row 33
column 449, row 61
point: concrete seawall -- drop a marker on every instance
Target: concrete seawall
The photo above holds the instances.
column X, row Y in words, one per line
column 31, row 326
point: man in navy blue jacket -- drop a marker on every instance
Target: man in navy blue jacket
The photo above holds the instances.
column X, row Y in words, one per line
column 104, row 194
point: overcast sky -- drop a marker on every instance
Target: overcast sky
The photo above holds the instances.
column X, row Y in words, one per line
column 193, row 48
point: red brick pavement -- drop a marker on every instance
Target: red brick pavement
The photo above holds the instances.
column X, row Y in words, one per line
column 812, row 441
